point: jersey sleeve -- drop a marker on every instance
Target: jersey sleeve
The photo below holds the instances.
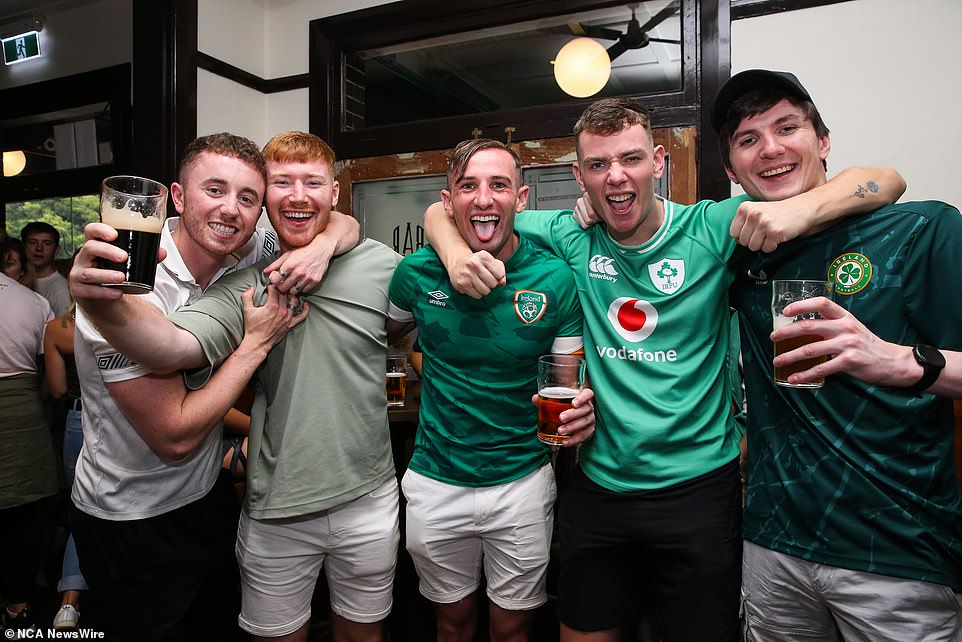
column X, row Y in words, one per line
column 571, row 331
column 554, row 230
column 401, row 289
column 933, row 281
column 114, row 366
column 716, row 219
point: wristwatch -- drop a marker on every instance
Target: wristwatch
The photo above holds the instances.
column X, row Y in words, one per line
column 932, row 362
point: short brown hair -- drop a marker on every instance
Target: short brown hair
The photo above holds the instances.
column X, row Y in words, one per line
column 467, row 148
column 758, row 101
column 298, row 147
column 224, row 144
column 610, row 116
column 39, row 227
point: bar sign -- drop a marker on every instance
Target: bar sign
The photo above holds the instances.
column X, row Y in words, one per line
column 20, row 48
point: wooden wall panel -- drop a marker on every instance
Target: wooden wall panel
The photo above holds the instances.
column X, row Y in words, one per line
column 679, row 142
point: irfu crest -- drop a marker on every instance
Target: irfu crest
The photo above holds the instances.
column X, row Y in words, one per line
column 667, row 275
column 530, row 305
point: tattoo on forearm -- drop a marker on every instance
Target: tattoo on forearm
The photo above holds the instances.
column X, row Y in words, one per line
column 860, row 191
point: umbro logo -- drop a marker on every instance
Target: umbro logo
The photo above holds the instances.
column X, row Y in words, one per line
column 602, row 267
column 437, row 298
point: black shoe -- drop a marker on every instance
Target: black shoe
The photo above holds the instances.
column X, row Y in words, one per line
column 22, row 621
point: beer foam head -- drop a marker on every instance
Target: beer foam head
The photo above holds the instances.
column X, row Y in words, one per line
column 126, row 219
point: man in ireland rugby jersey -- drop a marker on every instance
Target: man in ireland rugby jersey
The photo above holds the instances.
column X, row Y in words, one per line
column 852, row 527
column 479, row 486
column 656, row 501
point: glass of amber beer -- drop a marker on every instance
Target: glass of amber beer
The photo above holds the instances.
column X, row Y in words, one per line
column 560, row 378
column 135, row 207
column 396, row 379
column 784, row 293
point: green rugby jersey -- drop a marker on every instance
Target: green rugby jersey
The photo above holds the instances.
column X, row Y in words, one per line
column 856, row 475
column 657, row 334
column 477, row 423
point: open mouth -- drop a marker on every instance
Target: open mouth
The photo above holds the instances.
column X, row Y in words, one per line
column 485, row 226
column 620, row 203
column 778, row 171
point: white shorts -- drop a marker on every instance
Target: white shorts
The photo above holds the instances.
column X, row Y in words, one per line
column 451, row 529
column 280, row 560
column 794, row 600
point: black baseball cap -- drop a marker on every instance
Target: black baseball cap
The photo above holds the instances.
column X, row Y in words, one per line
column 746, row 81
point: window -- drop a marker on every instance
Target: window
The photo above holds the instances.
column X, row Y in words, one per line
column 511, row 66
column 67, row 215
column 425, row 74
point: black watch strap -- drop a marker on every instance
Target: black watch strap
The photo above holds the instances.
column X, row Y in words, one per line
column 932, row 363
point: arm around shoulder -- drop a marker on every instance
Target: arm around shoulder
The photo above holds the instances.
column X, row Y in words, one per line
column 853, row 191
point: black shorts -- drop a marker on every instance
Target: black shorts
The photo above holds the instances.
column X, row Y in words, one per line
column 169, row 577
column 681, row 544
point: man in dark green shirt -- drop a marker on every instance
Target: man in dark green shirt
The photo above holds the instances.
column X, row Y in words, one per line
column 853, row 524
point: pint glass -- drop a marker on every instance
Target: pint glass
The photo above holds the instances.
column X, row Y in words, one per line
column 136, row 208
column 395, row 380
column 784, row 293
column 560, row 378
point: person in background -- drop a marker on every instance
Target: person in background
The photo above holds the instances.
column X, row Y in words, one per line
column 28, row 472
column 655, row 503
column 64, row 383
column 15, row 263
column 321, row 486
column 853, row 525
column 42, row 242
column 153, row 517
column 476, row 443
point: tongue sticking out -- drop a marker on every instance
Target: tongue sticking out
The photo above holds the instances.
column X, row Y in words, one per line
column 484, row 229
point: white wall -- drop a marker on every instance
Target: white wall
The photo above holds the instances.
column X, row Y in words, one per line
column 886, row 76
column 89, row 36
column 268, row 38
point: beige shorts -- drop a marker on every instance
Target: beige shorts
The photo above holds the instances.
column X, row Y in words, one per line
column 789, row 599
column 281, row 559
column 452, row 530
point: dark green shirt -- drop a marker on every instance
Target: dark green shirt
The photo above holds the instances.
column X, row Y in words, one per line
column 856, row 475
column 477, row 422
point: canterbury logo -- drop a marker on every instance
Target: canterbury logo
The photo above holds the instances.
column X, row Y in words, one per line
column 601, row 264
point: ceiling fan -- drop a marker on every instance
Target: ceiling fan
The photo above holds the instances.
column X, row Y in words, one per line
column 635, row 35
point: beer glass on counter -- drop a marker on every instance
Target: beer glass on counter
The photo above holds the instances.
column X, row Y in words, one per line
column 135, row 207
column 396, row 379
column 786, row 292
column 560, row 378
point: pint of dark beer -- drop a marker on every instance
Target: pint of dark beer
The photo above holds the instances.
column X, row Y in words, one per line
column 560, row 378
column 135, row 207
column 786, row 292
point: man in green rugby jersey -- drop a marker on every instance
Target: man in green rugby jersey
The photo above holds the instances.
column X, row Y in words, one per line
column 852, row 527
column 656, row 501
column 479, row 486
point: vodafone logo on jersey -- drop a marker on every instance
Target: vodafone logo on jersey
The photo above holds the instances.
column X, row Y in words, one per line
column 634, row 319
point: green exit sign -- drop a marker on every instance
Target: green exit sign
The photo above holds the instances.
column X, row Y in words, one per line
column 20, row 48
